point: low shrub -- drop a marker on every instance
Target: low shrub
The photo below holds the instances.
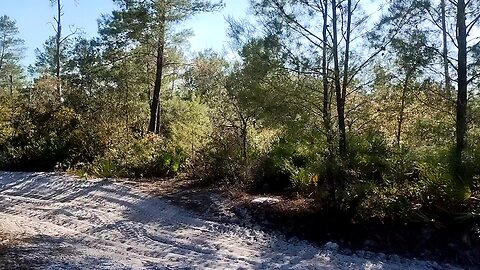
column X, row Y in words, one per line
column 144, row 157
column 432, row 193
column 369, row 157
column 43, row 143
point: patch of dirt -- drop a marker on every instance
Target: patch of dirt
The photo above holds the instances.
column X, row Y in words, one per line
column 18, row 252
column 57, row 221
column 10, row 253
column 304, row 218
column 61, row 222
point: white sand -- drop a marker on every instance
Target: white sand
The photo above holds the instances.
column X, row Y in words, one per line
column 98, row 224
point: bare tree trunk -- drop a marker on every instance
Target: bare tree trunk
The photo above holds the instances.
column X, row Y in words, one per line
column 461, row 121
column 445, row 51
column 155, row 108
column 58, row 48
column 327, row 119
column 341, row 110
column 125, row 101
column 338, row 87
column 2, row 55
column 326, row 92
column 158, row 124
column 11, row 84
column 244, row 141
column 401, row 113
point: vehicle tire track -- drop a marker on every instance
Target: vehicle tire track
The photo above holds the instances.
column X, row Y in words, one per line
column 103, row 225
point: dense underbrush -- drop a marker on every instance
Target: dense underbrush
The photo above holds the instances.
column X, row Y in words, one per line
column 379, row 181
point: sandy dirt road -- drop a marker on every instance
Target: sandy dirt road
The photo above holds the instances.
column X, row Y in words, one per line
column 67, row 223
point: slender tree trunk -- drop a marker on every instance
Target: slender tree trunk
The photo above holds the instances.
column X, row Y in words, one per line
column 158, row 124
column 445, row 51
column 327, row 119
column 341, row 110
column 338, row 87
column 11, row 83
column 401, row 113
column 326, row 90
column 125, row 100
column 461, row 122
column 2, row 55
column 244, row 141
column 155, row 108
column 57, row 49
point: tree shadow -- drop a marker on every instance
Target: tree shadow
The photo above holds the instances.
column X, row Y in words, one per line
column 137, row 211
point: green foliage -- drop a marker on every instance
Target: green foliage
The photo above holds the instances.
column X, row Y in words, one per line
column 223, row 160
column 292, row 164
column 303, row 180
column 369, row 156
column 12, row 77
column 430, row 192
column 144, row 157
column 383, row 202
column 188, row 124
column 439, row 184
column 44, row 145
column 106, row 168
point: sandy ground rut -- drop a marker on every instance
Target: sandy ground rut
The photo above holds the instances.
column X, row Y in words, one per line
column 69, row 223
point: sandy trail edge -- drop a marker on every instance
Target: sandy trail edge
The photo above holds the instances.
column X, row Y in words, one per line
column 67, row 223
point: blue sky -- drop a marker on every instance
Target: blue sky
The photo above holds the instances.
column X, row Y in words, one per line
column 33, row 19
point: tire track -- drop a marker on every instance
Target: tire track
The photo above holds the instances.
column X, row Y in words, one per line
column 103, row 225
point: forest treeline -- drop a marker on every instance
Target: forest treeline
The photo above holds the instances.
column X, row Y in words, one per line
column 373, row 107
